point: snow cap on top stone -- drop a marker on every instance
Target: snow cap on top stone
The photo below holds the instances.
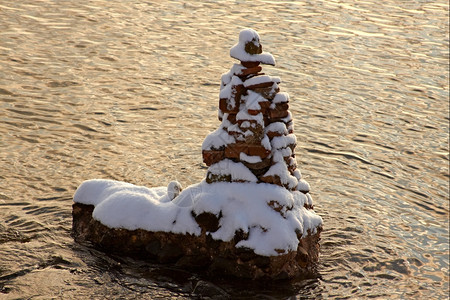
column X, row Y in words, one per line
column 249, row 49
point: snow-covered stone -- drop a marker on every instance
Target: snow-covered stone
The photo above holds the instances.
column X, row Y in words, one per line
column 250, row 36
column 252, row 215
column 243, row 207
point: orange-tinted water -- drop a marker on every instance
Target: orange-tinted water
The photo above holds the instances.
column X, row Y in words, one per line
column 128, row 90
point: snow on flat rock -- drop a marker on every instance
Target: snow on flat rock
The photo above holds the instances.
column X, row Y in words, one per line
column 226, row 91
column 226, row 77
column 285, row 178
column 252, row 100
column 261, row 79
column 244, row 115
column 278, row 127
column 123, row 205
column 238, row 50
column 244, row 206
column 281, row 98
column 217, row 139
column 284, row 141
column 249, row 159
column 303, row 185
column 236, row 170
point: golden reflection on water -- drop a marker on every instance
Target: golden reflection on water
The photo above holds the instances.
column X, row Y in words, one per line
column 128, row 91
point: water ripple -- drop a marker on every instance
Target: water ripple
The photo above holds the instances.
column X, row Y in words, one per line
column 128, row 91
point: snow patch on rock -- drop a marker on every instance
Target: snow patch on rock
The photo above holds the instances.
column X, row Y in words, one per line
column 243, row 206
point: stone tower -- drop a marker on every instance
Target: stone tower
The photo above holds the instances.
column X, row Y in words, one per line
column 255, row 141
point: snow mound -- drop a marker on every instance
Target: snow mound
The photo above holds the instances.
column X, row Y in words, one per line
column 269, row 214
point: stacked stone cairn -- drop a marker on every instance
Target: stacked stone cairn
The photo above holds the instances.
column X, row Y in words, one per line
column 257, row 129
column 255, row 144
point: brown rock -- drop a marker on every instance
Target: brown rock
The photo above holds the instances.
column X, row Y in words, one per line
column 231, row 105
column 260, row 85
column 272, row 134
column 237, row 133
column 279, row 110
column 290, row 129
column 276, row 206
column 267, row 120
column 212, row 156
column 273, row 179
column 208, row 221
column 200, row 253
column 234, row 150
column 250, row 64
column 256, row 128
column 292, row 146
column 253, row 123
column 264, row 105
column 265, row 163
column 237, row 91
column 248, row 71
column 292, row 164
column 267, row 92
column 254, row 112
column 254, row 139
column 253, row 135
column 252, row 48
column 211, row 178
column 257, row 150
column 226, row 107
column 231, row 118
column 281, row 106
column 286, row 120
column 278, row 114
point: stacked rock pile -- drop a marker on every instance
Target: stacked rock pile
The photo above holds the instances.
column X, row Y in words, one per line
column 226, row 224
column 256, row 136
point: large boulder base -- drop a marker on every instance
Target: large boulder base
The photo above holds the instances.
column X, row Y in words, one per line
column 199, row 253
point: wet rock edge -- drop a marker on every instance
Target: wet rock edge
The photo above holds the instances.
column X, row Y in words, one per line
column 197, row 253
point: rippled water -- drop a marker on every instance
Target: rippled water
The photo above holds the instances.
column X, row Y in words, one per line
column 128, row 90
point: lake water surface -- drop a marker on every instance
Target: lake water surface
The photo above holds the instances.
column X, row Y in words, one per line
column 128, row 90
